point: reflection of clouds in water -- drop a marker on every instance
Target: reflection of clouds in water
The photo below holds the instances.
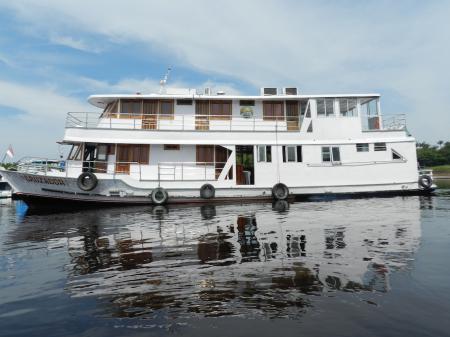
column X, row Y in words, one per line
column 240, row 260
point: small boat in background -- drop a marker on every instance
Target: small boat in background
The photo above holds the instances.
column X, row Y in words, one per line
column 5, row 189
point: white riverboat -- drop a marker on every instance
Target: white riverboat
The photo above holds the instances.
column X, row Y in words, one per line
column 183, row 146
column 5, row 189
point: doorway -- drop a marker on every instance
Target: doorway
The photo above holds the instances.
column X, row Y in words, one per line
column 245, row 165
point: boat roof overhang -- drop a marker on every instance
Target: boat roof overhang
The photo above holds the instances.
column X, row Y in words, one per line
column 101, row 101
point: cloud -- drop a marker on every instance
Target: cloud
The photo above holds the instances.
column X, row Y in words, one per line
column 78, row 44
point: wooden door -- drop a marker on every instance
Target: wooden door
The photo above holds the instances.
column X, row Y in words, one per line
column 292, row 115
column 202, row 115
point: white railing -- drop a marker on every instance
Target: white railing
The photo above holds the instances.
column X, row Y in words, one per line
column 36, row 165
column 196, row 122
column 383, row 122
column 183, row 171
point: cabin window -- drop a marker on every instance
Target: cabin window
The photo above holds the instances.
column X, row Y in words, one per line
column 292, row 153
column 171, row 147
column 369, row 106
column 220, row 110
column 75, row 152
column 133, row 153
column 166, row 109
column 325, row 107
column 184, row 101
column 380, row 147
column 347, row 107
column 150, row 107
column 111, row 109
column 362, row 147
column 305, row 109
column 130, row 108
column 396, row 155
column 247, row 102
column 331, row 154
column 205, row 154
column 102, row 152
column 273, row 111
column 264, row 153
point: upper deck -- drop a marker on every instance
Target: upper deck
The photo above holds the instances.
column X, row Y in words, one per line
column 317, row 116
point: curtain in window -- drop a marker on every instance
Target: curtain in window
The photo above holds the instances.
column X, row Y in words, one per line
column 273, row 110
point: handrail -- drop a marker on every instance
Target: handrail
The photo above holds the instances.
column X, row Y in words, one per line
column 183, row 171
column 207, row 122
column 191, row 122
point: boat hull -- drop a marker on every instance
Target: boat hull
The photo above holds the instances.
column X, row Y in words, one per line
column 53, row 191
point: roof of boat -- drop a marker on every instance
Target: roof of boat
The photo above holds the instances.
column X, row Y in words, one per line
column 101, row 101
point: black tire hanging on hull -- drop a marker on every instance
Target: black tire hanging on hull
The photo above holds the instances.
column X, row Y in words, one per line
column 425, row 181
column 280, row 191
column 87, row 181
column 207, row 191
column 159, row 196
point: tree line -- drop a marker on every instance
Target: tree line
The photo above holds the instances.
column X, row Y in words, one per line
column 433, row 155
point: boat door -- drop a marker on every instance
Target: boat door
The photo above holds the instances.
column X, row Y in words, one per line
column 201, row 115
column 245, row 165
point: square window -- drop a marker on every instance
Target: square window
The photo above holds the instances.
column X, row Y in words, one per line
column 290, row 153
column 380, row 146
column 362, row 147
column 171, row 147
column 326, row 154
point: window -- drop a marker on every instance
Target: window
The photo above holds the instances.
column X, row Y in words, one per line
column 166, row 110
column 369, row 106
column 134, row 153
column 331, row 154
column 347, row 107
column 362, row 147
column 292, row 153
column 184, row 101
column 130, row 108
column 171, row 147
column 305, row 109
column 396, row 155
column 220, row 109
column 247, row 102
column 380, row 147
column 273, row 111
column 205, row 154
column 264, row 153
column 310, row 127
column 75, row 152
column 102, row 152
column 325, row 107
column 111, row 110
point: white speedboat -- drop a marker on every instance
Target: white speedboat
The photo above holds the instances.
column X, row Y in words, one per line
column 184, row 146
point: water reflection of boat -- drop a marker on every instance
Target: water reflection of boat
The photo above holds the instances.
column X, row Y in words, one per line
column 239, row 260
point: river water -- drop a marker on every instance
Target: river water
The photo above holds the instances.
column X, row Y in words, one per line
column 354, row 267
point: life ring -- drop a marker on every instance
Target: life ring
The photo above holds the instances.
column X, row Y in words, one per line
column 280, row 191
column 87, row 181
column 207, row 191
column 159, row 196
column 425, row 181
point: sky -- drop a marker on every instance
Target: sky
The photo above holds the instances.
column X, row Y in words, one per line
column 54, row 54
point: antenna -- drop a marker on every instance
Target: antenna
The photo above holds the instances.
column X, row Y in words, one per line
column 163, row 82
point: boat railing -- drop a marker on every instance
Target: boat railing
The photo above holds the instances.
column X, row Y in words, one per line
column 38, row 165
column 182, row 171
column 181, row 122
column 383, row 122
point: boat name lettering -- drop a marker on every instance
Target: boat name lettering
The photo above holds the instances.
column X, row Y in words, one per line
column 44, row 180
